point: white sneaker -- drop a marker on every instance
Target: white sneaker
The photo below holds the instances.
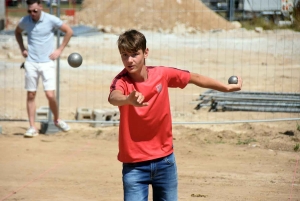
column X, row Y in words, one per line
column 31, row 132
column 62, row 125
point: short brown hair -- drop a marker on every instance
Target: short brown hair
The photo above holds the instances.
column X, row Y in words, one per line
column 30, row 2
column 132, row 41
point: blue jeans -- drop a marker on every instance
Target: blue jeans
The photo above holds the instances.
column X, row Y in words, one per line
column 160, row 173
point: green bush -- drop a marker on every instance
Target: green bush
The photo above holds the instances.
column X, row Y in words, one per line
column 296, row 16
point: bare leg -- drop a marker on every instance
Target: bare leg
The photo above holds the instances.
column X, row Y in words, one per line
column 31, row 107
column 52, row 104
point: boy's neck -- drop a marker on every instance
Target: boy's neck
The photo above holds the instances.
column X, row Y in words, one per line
column 140, row 76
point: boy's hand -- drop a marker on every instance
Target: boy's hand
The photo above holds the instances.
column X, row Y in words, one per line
column 137, row 99
column 239, row 84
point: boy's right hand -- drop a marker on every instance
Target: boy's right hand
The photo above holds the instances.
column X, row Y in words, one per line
column 136, row 98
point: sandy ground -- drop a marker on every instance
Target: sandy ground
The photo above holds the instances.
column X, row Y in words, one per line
column 218, row 162
column 236, row 162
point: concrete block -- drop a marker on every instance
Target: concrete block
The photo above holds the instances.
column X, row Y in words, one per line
column 84, row 114
column 104, row 115
column 284, row 23
column 116, row 114
column 42, row 113
column 113, row 115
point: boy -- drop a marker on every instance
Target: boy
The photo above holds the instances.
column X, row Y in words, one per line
column 145, row 132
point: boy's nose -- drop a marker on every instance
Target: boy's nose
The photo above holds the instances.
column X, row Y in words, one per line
column 130, row 59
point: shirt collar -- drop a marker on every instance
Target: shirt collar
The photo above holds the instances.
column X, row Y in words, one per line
column 42, row 16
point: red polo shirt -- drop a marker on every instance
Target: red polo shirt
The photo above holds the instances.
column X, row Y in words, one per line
column 145, row 133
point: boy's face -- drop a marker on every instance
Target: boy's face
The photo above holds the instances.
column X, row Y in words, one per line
column 134, row 61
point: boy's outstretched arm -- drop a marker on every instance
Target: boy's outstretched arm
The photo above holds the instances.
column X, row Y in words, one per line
column 207, row 82
column 135, row 98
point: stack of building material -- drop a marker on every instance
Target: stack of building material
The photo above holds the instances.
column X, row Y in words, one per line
column 98, row 117
column 250, row 101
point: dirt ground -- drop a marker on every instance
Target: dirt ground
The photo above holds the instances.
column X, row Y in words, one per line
column 254, row 162
column 234, row 162
column 155, row 15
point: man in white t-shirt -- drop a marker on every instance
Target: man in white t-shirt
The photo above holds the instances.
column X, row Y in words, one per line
column 40, row 56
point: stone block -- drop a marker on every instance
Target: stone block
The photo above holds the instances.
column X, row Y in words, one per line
column 103, row 115
column 42, row 113
column 84, row 114
column 116, row 114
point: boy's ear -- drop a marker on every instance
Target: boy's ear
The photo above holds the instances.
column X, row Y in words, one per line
column 146, row 53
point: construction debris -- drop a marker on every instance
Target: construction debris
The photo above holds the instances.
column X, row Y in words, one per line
column 250, row 101
column 167, row 16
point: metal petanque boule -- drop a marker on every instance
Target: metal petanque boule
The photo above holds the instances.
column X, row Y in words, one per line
column 75, row 60
column 233, row 80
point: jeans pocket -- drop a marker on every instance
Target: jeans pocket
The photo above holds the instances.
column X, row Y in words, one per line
column 170, row 159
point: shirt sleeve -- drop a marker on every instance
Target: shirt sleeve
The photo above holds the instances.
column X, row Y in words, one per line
column 177, row 77
column 57, row 23
column 22, row 23
column 118, row 84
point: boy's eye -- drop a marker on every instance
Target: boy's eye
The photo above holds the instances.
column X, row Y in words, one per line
column 129, row 54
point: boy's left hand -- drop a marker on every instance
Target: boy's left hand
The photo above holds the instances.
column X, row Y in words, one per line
column 240, row 83
column 237, row 86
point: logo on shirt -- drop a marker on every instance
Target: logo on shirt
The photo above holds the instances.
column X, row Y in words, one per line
column 158, row 88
